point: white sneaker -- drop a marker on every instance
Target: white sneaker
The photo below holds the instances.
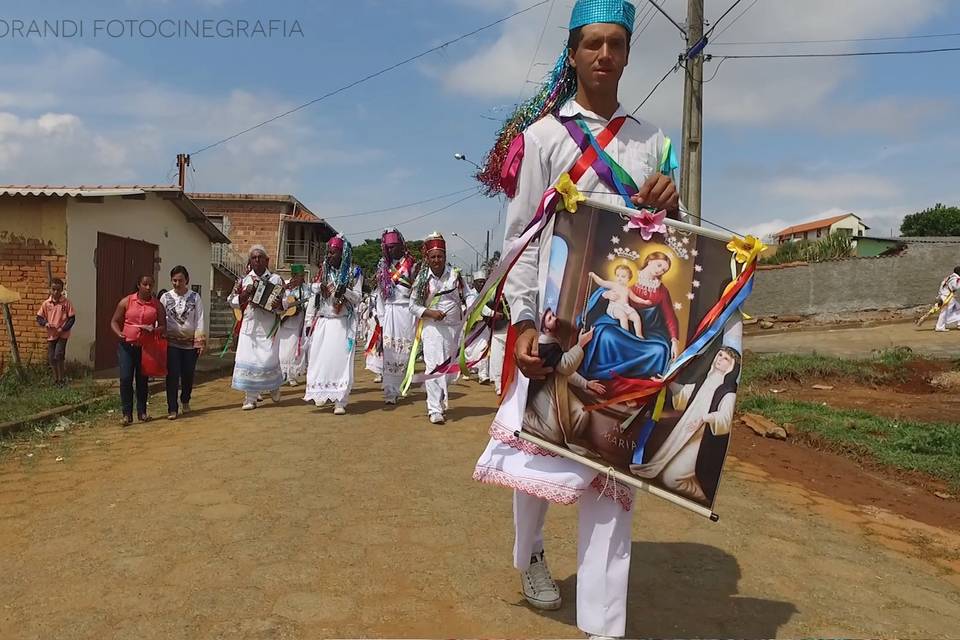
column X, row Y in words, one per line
column 275, row 395
column 943, row 330
column 390, row 401
column 378, row 379
column 539, row 589
column 436, row 418
column 185, row 408
column 249, row 406
column 292, row 383
column 339, row 410
column 593, row 637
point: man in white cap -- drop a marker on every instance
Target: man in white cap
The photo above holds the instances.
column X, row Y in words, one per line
column 257, row 365
column 543, row 140
column 438, row 302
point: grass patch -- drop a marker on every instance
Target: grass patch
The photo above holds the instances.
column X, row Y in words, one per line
column 37, row 393
column 884, row 367
column 931, row 448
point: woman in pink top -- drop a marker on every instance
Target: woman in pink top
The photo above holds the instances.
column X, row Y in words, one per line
column 135, row 314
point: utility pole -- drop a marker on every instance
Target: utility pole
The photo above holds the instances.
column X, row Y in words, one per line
column 183, row 161
column 692, row 152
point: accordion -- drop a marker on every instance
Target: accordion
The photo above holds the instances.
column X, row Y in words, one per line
column 266, row 294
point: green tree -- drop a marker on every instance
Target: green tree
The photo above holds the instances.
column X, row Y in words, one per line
column 935, row 221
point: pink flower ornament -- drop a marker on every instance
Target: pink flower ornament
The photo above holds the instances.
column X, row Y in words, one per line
column 648, row 222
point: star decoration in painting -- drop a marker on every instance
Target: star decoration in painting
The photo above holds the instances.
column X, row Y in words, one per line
column 691, row 296
column 615, row 240
column 696, row 284
column 694, row 253
column 611, row 257
column 697, row 268
column 677, row 306
column 685, row 240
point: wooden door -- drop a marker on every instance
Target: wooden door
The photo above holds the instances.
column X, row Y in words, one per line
column 119, row 262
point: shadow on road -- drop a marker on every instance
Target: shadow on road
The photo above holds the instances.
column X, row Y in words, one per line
column 686, row 590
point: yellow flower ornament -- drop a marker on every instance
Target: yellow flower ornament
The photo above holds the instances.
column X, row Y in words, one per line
column 571, row 195
column 745, row 249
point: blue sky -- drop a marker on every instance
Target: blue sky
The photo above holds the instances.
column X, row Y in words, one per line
column 785, row 140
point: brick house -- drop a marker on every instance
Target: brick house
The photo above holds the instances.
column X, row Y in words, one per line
column 291, row 233
column 99, row 240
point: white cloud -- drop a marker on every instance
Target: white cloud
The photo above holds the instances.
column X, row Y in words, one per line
column 745, row 92
column 833, row 188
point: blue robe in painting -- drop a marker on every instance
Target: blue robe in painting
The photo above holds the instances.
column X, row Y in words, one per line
column 615, row 350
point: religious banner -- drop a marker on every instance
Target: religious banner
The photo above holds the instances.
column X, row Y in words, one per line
column 640, row 321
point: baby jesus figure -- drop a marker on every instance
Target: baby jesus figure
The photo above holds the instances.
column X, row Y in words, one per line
column 619, row 295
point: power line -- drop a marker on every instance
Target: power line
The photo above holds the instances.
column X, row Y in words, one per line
column 667, row 16
column 420, row 217
column 399, row 206
column 652, row 15
column 849, row 54
column 722, row 16
column 837, row 40
column 536, row 51
column 655, row 87
column 370, row 77
column 739, row 15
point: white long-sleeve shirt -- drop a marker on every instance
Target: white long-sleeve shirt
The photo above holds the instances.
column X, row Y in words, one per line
column 186, row 325
column 451, row 289
column 549, row 151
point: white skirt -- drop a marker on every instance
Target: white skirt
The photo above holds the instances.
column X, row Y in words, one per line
column 330, row 363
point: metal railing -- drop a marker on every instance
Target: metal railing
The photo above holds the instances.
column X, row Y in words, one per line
column 230, row 260
column 306, row 252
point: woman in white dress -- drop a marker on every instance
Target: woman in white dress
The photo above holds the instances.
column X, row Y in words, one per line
column 333, row 334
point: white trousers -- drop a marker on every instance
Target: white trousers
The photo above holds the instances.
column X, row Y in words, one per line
column 483, row 369
column 603, row 556
column 950, row 314
column 439, row 344
column 497, row 352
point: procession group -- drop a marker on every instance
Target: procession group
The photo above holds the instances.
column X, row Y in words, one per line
column 289, row 329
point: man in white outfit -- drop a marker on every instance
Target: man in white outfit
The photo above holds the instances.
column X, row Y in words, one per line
column 257, row 366
column 438, row 301
column 950, row 311
column 585, row 80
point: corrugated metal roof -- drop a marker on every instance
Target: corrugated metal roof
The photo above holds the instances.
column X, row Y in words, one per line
column 172, row 193
column 83, row 191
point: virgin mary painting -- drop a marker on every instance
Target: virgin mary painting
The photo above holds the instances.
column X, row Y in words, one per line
column 617, row 352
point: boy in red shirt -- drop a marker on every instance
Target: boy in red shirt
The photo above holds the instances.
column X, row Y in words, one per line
column 57, row 315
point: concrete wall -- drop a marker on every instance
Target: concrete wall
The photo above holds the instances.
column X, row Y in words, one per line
column 33, row 234
column 859, row 284
column 153, row 220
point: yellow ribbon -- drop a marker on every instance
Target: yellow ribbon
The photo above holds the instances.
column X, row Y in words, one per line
column 571, row 195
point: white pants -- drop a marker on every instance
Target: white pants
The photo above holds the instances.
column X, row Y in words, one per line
column 950, row 314
column 497, row 351
column 483, row 369
column 439, row 344
column 603, row 556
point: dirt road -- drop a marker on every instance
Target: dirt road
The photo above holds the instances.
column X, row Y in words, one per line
column 288, row 522
column 858, row 342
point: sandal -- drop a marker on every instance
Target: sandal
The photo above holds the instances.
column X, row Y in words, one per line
column 142, row 417
column 127, row 421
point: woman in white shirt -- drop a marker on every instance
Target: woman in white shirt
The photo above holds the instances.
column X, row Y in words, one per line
column 186, row 338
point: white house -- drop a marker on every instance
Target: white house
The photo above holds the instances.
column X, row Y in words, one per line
column 99, row 240
column 847, row 223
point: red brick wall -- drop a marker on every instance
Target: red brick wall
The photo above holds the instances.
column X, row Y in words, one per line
column 248, row 229
column 23, row 268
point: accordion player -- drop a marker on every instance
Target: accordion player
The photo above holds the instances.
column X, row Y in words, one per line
column 267, row 296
